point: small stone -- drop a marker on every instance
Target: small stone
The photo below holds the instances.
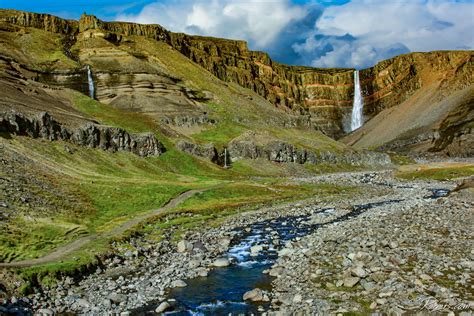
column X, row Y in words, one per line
column 117, row 298
column 373, row 305
column 83, row 303
column 254, row 295
column 425, row 277
column 178, row 283
column 184, row 246
column 256, row 249
column 381, row 301
column 358, row 271
column 221, row 262
column 297, row 298
column 351, row 281
column 285, row 252
column 162, row 307
column 385, row 294
column 224, row 242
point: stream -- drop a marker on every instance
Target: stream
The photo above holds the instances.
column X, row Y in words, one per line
column 220, row 293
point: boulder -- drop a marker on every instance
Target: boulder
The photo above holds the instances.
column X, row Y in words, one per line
column 178, row 283
column 162, row 307
column 185, row 246
column 221, row 262
column 117, row 298
column 351, row 281
column 255, row 295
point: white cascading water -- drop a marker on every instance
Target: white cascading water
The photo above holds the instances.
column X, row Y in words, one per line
column 91, row 81
column 357, row 107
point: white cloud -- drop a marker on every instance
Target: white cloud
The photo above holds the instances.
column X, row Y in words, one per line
column 376, row 26
column 356, row 34
column 257, row 21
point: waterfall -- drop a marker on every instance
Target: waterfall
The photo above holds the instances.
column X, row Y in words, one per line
column 357, row 106
column 225, row 157
column 91, row 82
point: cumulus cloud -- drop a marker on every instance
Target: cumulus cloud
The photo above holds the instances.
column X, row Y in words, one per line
column 358, row 33
column 259, row 22
column 382, row 29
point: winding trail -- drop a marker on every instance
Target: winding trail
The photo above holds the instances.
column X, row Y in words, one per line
column 62, row 251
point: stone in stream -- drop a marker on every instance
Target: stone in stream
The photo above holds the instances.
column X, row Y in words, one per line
column 162, row 307
column 185, row 246
column 255, row 295
column 221, row 262
column 254, row 250
column 178, row 283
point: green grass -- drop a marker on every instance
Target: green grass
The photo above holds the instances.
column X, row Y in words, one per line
column 42, row 236
column 221, row 134
column 401, row 160
column 130, row 121
column 437, row 173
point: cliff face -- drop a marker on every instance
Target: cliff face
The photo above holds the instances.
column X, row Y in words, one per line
column 322, row 95
column 90, row 135
column 393, row 81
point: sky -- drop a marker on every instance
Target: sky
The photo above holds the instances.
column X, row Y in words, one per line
column 319, row 33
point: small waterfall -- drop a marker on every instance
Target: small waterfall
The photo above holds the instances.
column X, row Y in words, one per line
column 357, row 114
column 91, row 82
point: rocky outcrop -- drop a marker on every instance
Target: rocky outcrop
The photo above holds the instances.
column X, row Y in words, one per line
column 207, row 151
column 455, row 135
column 282, row 152
column 45, row 22
column 90, row 135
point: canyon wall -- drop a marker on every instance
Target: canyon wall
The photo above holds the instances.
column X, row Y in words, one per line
column 323, row 95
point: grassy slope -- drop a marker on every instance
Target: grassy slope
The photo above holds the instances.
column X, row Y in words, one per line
column 436, row 171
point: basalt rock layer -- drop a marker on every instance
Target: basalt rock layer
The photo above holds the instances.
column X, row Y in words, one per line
column 252, row 145
column 90, row 135
column 323, row 95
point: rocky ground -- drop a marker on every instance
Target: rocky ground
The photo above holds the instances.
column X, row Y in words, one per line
column 407, row 251
column 415, row 255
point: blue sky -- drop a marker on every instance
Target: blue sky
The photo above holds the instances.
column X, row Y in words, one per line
column 321, row 33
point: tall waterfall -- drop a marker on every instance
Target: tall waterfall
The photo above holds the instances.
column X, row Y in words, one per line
column 91, row 82
column 357, row 106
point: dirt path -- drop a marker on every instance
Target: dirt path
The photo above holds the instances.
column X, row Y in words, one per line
column 62, row 251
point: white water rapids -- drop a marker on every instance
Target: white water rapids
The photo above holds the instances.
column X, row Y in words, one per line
column 357, row 115
column 90, row 81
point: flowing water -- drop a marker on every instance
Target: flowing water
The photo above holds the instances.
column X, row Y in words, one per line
column 90, row 80
column 220, row 293
column 357, row 118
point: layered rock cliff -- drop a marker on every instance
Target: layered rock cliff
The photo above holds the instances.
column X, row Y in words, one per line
column 324, row 96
